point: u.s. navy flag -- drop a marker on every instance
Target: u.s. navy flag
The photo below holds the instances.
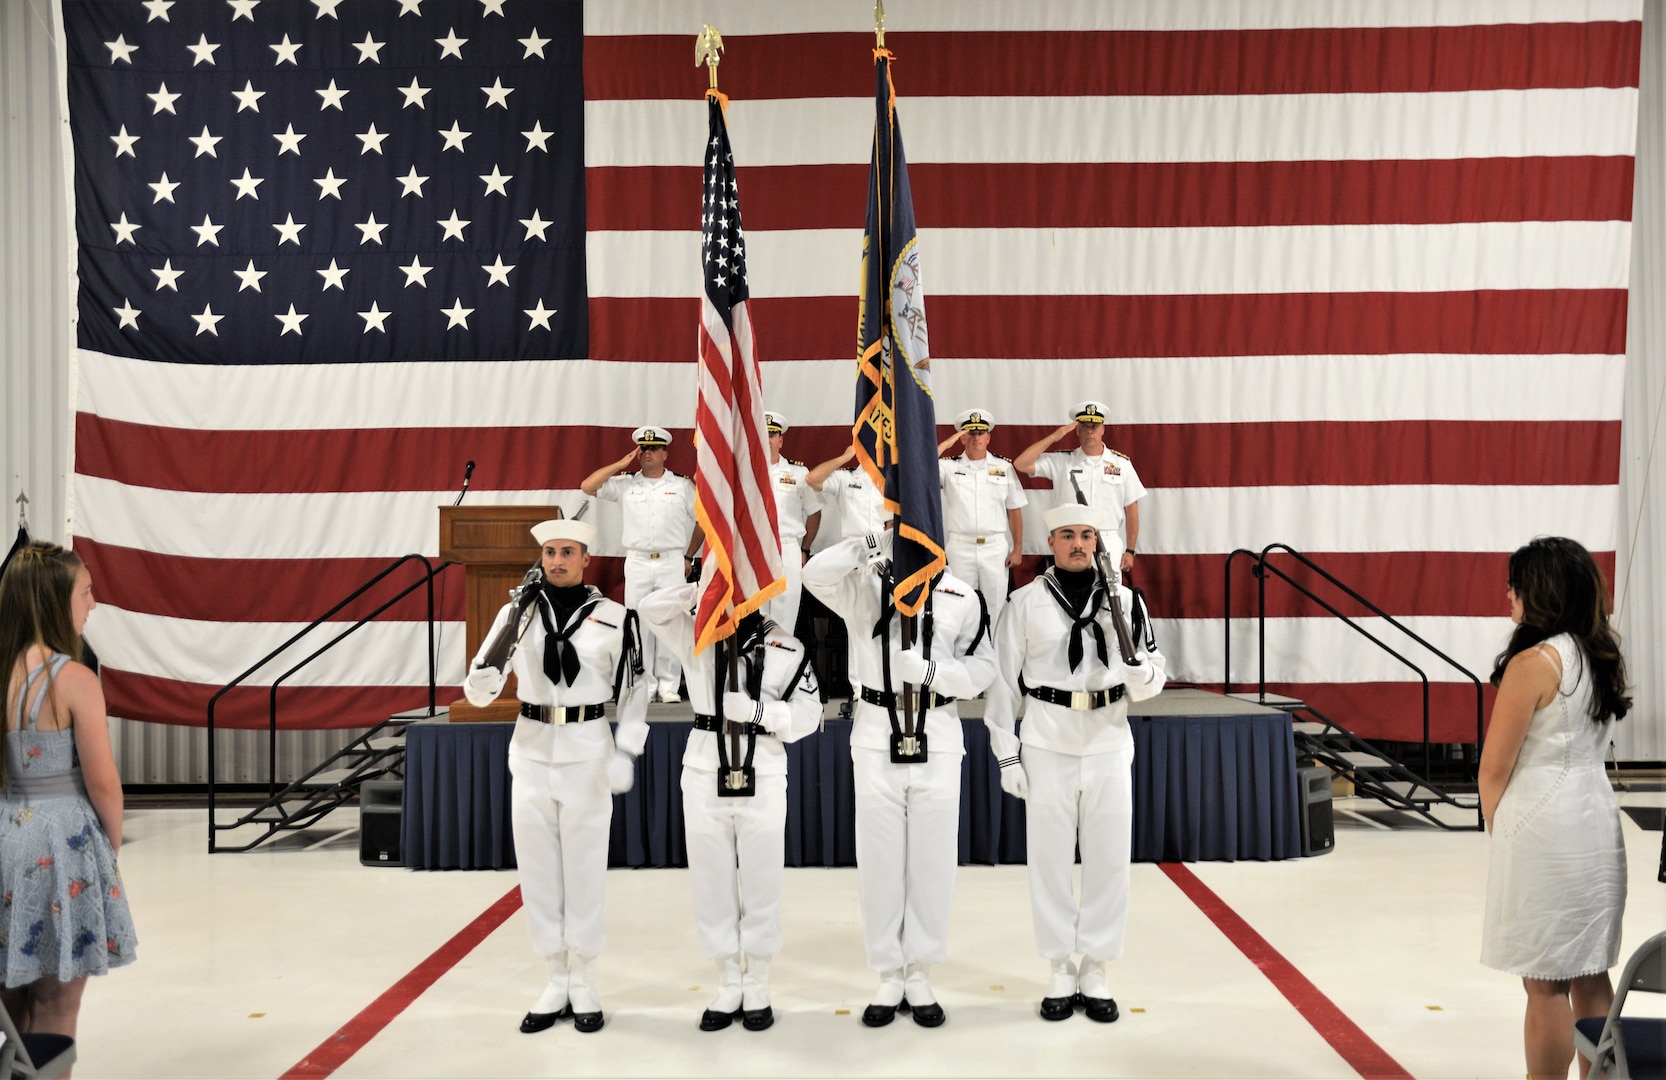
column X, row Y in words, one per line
column 735, row 504
column 1349, row 276
column 896, row 419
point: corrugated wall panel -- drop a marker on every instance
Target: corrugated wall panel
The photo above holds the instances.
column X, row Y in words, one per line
column 170, row 754
column 35, row 428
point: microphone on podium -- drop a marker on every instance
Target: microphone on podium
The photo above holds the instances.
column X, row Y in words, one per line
column 468, row 472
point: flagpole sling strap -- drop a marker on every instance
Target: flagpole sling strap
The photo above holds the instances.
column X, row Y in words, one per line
column 736, row 777
column 908, row 736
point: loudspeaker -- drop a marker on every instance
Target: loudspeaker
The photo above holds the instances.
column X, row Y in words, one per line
column 381, row 822
column 1318, row 826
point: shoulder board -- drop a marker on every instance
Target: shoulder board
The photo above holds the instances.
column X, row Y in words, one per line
column 800, row 464
column 1119, row 454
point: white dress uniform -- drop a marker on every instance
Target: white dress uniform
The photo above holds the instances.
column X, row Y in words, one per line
column 907, row 816
column 862, row 512
column 795, row 503
column 1108, row 480
column 861, row 505
column 561, row 805
column 976, row 498
column 1078, row 757
column 737, row 916
column 658, row 519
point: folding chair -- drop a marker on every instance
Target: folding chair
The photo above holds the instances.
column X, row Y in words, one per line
column 32, row 1057
column 1631, row 1047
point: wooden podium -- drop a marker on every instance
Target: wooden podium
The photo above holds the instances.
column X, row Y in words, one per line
column 494, row 544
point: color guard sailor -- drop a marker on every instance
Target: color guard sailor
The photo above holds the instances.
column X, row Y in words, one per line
column 907, row 793
column 738, row 918
column 577, row 650
column 659, row 533
column 1057, row 647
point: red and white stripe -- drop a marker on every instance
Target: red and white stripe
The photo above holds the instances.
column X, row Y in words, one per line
column 735, row 505
column 1351, row 277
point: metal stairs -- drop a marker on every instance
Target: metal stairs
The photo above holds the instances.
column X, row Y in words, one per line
column 1374, row 776
column 377, row 754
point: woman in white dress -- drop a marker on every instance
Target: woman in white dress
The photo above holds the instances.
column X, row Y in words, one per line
column 1556, row 886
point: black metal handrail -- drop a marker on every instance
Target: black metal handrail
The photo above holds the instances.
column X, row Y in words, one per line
column 1262, row 568
column 426, row 581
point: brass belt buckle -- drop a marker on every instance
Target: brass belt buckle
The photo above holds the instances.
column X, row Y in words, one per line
column 981, row 539
column 1081, row 699
column 653, row 554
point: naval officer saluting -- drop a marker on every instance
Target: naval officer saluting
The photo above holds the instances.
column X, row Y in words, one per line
column 659, row 533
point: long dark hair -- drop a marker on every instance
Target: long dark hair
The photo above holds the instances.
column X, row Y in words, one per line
column 35, row 596
column 1562, row 592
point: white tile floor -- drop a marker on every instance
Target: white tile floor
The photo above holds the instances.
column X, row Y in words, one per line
column 248, row 962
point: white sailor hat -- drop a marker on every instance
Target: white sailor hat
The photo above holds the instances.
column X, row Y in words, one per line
column 775, row 422
column 975, row 420
column 565, row 529
column 1073, row 513
column 1090, row 412
column 650, row 436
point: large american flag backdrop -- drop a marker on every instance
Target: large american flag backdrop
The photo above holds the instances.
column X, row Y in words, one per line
column 1351, row 276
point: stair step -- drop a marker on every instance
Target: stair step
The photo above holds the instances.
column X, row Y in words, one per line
column 1309, row 727
column 327, row 778
column 1360, row 759
column 387, row 742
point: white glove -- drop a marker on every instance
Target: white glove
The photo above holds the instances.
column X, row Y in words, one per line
column 907, row 665
column 738, row 708
column 1014, row 781
column 486, row 680
column 621, row 772
column 877, row 546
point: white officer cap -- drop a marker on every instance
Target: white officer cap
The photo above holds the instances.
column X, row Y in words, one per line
column 775, row 422
column 975, row 420
column 650, row 436
column 1090, row 412
column 565, row 529
column 1073, row 513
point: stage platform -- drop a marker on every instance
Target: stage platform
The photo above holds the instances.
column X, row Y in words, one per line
column 1214, row 780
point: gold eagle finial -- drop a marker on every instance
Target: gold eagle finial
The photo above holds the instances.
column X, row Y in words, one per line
column 708, row 47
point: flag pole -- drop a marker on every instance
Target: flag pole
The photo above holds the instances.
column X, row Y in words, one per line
column 708, row 48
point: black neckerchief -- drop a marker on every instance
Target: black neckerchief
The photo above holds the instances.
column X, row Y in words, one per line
column 1080, row 594
column 570, row 604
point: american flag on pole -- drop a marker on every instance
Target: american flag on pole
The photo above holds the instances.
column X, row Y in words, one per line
column 896, row 419
column 734, row 501
column 1350, row 276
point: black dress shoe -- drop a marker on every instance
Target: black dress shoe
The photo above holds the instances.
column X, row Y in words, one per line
column 758, row 1019
column 1060, row 1008
column 926, row 1015
column 587, row 1022
column 880, row 1015
column 711, row 1020
column 1101, row 1009
column 532, row 1022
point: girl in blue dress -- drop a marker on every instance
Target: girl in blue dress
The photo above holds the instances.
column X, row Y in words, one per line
column 63, row 907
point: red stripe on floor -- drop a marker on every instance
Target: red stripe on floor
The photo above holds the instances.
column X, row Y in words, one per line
column 333, row 1052
column 1345, row 1037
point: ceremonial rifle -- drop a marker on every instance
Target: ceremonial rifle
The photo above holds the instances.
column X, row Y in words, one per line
column 1119, row 619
